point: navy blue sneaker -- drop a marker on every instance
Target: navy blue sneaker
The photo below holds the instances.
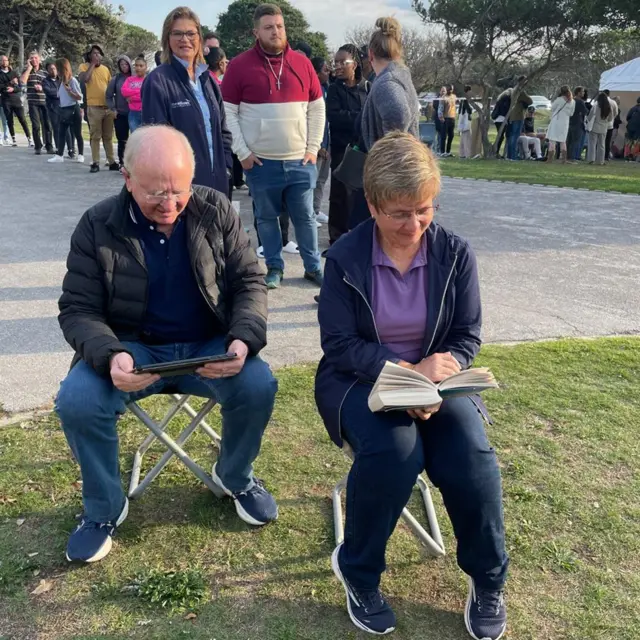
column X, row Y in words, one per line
column 485, row 614
column 255, row 506
column 92, row 541
column 368, row 610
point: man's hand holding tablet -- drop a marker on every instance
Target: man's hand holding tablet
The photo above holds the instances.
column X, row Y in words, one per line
column 229, row 368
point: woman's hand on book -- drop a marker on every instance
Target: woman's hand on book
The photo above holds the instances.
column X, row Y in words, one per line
column 422, row 414
column 438, row 366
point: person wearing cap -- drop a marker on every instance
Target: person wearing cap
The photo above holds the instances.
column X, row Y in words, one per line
column 96, row 77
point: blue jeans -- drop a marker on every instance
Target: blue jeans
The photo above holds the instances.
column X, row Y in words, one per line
column 89, row 405
column 135, row 120
column 293, row 183
column 390, row 450
column 3, row 121
column 514, row 129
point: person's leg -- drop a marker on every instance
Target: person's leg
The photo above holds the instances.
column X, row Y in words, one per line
column 501, row 137
column 8, row 113
column 591, row 147
column 76, row 126
column 283, row 220
column 359, row 209
column 246, row 402
column 460, row 461
column 537, row 147
column 607, row 144
column 298, row 196
column 107, row 134
column 19, row 111
column 266, row 183
column 95, row 115
column 601, row 148
column 34, row 116
column 443, row 136
column 323, row 174
column 121, row 125
column 451, row 130
column 5, row 126
column 238, row 172
column 88, row 406
column 64, row 126
column 54, row 119
column 388, row 456
column 465, row 144
column 135, row 120
column 46, row 127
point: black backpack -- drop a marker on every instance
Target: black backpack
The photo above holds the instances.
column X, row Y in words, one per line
column 502, row 107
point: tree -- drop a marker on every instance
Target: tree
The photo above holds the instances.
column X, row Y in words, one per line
column 424, row 53
column 61, row 27
column 132, row 42
column 491, row 42
column 235, row 27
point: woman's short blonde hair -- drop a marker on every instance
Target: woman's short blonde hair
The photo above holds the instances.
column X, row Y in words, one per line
column 177, row 14
column 399, row 167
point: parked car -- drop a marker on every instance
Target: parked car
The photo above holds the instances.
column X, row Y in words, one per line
column 540, row 102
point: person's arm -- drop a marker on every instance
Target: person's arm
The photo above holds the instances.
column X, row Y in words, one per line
column 74, row 89
column 126, row 91
column 245, row 279
column 232, row 97
column 24, row 78
column 227, row 139
column 342, row 344
column 83, row 303
column 526, row 99
column 86, row 72
column 463, row 339
column 316, row 113
column 339, row 119
column 155, row 105
column 110, row 94
column 50, row 88
column 393, row 108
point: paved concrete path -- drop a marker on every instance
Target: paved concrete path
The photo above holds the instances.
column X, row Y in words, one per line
column 553, row 262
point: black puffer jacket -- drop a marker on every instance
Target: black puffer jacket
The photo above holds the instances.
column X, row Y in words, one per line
column 105, row 289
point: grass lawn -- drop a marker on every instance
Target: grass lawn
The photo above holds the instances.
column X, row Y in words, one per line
column 567, row 430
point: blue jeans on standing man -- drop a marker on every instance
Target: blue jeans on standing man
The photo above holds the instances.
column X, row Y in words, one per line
column 293, row 183
column 135, row 120
column 514, row 130
column 390, row 450
column 89, row 406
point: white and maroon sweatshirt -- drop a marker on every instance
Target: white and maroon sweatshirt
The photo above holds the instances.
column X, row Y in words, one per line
column 272, row 123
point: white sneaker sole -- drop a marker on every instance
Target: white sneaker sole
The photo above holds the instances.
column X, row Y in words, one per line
column 242, row 514
column 104, row 550
column 467, row 622
column 336, row 569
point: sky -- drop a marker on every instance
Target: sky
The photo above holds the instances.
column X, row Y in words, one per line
column 333, row 17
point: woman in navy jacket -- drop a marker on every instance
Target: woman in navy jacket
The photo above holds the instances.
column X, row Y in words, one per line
column 401, row 288
column 181, row 93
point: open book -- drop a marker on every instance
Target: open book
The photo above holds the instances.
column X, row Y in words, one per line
column 398, row 388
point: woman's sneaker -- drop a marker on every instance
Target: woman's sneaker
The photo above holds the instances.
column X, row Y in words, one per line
column 92, row 541
column 256, row 506
column 485, row 615
column 273, row 278
column 368, row 610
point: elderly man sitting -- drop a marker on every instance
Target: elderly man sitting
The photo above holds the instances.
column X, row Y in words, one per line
column 161, row 272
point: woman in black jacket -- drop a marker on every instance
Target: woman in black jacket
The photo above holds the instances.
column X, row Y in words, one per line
column 345, row 99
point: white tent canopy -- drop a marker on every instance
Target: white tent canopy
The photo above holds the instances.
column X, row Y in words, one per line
column 624, row 77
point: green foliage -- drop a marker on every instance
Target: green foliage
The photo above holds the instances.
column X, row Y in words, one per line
column 132, row 42
column 235, row 27
column 172, row 590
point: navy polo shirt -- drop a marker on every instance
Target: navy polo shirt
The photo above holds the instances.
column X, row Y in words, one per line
column 176, row 308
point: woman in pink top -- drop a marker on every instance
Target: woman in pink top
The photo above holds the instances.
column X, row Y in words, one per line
column 131, row 92
column 217, row 61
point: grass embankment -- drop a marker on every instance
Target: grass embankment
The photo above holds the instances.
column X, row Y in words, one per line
column 567, row 428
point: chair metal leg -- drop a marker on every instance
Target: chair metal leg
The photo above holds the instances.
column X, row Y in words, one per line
column 433, row 542
column 136, row 488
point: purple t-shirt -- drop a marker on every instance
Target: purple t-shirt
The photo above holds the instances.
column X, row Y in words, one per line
column 400, row 302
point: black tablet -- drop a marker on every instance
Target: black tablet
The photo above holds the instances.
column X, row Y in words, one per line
column 182, row 367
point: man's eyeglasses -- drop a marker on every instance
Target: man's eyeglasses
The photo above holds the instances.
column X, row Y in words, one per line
column 158, row 197
column 402, row 217
column 178, row 35
column 342, row 63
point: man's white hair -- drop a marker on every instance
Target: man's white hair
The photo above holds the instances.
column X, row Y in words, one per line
column 148, row 144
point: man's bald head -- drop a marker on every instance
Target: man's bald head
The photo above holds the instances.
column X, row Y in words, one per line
column 157, row 149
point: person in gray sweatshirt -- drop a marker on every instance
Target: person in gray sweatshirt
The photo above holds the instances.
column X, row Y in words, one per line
column 392, row 104
column 119, row 105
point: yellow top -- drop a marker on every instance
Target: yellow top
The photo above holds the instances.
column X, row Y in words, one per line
column 449, row 106
column 97, row 86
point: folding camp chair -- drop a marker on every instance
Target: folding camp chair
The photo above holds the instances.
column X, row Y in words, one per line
column 174, row 447
column 433, row 541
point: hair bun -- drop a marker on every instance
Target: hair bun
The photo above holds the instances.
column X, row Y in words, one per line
column 389, row 27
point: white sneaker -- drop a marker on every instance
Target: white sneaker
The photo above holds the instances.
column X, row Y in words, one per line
column 318, row 224
column 260, row 253
column 56, row 159
column 322, row 217
column 6, row 142
column 80, row 159
column 291, row 247
column 30, row 142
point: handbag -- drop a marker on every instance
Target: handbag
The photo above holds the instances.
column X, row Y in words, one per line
column 351, row 170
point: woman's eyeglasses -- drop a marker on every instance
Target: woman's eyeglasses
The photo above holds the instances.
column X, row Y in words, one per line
column 178, row 35
column 342, row 63
column 402, row 217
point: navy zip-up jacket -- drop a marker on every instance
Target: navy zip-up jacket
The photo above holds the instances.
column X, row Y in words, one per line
column 352, row 350
column 167, row 98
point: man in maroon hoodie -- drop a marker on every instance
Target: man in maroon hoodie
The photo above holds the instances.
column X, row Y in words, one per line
column 276, row 114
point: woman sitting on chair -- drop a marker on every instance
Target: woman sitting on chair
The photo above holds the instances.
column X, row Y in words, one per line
column 402, row 288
